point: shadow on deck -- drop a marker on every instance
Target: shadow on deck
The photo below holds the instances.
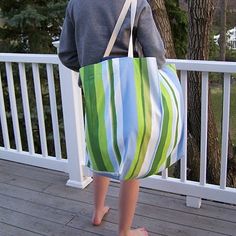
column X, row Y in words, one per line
column 36, row 201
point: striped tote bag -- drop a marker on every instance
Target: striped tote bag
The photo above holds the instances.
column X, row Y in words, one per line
column 134, row 122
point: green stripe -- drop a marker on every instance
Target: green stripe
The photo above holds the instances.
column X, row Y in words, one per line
column 165, row 135
column 100, row 102
column 172, row 67
column 96, row 138
column 146, row 102
column 140, row 115
column 88, row 144
column 90, row 151
column 92, row 119
column 87, row 108
column 177, row 121
column 113, row 113
column 81, row 74
column 162, row 139
column 168, row 161
column 169, row 127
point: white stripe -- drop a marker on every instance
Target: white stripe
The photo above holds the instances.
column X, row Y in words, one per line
column 180, row 123
column 174, row 118
column 119, row 110
column 155, row 98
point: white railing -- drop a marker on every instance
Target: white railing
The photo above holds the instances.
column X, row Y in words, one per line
column 74, row 128
column 72, row 113
column 197, row 190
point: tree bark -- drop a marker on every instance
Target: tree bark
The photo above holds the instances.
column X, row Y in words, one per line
column 222, row 39
column 200, row 14
column 231, row 167
column 163, row 24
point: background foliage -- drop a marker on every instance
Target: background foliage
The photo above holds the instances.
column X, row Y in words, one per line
column 179, row 25
column 31, row 25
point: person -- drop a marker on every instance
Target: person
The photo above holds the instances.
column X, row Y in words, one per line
column 86, row 30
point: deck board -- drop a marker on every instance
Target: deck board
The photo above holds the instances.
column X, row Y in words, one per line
column 36, row 201
column 8, row 230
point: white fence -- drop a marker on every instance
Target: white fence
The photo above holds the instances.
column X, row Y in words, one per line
column 72, row 114
column 73, row 163
column 197, row 190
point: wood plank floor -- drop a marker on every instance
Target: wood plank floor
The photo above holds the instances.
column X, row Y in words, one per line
column 36, row 201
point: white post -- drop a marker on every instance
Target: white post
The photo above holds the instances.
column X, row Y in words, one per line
column 74, row 127
column 194, row 202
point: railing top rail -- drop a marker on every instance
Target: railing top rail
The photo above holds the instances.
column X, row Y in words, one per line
column 29, row 58
column 201, row 65
column 188, row 65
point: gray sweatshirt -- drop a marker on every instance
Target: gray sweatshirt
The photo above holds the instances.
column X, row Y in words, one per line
column 88, row 26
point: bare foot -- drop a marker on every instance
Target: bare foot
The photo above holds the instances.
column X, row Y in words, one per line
column 98, row 216
column 138, row 232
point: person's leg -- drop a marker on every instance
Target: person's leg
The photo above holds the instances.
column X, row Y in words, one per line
column 128, row 199
column 101, row 184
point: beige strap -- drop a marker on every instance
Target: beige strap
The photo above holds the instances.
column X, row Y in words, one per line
column 133, row 11
column 118, row 25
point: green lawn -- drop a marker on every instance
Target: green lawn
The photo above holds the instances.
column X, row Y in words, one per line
column 216, row 93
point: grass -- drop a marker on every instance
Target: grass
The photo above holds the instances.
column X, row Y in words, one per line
column 217, row 105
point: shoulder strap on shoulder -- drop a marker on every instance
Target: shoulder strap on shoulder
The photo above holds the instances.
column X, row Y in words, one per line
column 119, row 24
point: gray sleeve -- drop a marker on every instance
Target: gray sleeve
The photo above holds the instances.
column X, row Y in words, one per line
column 149, row 36
column 67, row 47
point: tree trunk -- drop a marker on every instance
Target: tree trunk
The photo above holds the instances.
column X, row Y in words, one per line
column 200, row 20
column 163, row 24
column 222, row 39
column 231, row 167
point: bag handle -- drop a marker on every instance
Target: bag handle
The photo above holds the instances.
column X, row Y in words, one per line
column 118, row 25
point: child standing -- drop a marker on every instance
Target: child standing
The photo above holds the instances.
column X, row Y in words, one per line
column 85, row 34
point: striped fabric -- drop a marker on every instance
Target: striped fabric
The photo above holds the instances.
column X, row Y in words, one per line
column 134, row 117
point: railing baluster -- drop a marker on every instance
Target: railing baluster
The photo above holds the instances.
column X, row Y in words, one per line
column 3, row 118
column 225, row 131
column 53, row 106
column 26, row 108
column 183, row 161
column 39, row 105
column 165, row 173
column 14, row 112
column 204, row 125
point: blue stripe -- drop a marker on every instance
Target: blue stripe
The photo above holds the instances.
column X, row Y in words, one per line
column 130, row 116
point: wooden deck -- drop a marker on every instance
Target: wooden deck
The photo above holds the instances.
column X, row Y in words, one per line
column 36, row 201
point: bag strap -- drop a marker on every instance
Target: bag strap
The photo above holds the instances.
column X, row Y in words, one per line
column 118, row 25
